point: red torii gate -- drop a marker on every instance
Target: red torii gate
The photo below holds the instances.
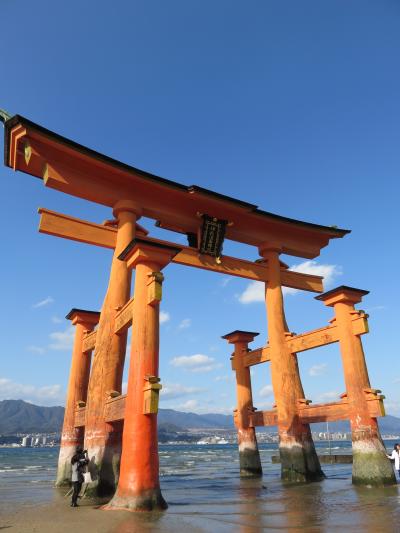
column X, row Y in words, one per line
column 131, row 193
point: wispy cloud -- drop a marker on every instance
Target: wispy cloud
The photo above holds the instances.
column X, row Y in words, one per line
column 47, row 301
column 46, row 395
column 36, row 349
column 185, row 323
column 171, row 391
column 56, row 320
column 164, row 317
column 255, row 290
column 266, row 391
column 195, row 363
column 329, row 396
column 318, row 370
column 226, row 378
column 62, row 340
column 190, row 405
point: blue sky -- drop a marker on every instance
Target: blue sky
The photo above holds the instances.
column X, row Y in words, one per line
column 293, row 106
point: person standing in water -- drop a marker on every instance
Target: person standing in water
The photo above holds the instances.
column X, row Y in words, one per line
column 78, row 461
column 395, row 455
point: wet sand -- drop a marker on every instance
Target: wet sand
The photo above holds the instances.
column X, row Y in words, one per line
column 248, row 507
column 205, row 494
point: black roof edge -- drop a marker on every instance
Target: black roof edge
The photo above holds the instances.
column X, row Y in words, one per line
column 338, row 289
column 16, row 119
column 329, row 229
column 208, row 192
column 76, row 310
column 255, row 333
column 136, row 241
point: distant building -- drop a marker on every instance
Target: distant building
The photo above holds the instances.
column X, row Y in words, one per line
column 26, row 442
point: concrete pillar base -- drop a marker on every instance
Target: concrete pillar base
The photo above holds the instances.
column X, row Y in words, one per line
column 249, row 456
column 299, row 462
column 250, row 464
column 148, row 500
column 370, row 464
column 64, row 469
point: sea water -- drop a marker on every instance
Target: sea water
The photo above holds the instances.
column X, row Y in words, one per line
column 203, row 480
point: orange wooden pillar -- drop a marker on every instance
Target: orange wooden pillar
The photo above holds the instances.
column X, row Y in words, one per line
column 71, row 436
column 370, row 464
column 103, row 440
column 249, row 456
column 139, row 486
column 299, row 460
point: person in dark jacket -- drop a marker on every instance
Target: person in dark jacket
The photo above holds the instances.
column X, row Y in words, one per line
column 78, row 462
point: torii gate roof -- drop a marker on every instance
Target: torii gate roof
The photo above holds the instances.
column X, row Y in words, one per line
column 77, row 170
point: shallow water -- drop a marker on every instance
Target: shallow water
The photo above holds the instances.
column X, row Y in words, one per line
column 201, row 485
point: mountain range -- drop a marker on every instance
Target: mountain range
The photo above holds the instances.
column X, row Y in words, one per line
column 17, row 416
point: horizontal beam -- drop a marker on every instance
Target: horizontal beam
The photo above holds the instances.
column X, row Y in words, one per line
column 114, row 409
column 123, row 318
column 89, row 342
column 67, row 227
column 307, row 341
column 326, row 412
column 75, row 229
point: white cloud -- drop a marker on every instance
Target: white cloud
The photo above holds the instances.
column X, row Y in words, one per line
column 176, row 390
column 124, row 387
column 329, row 396
column 195, row 406
column 264, row 405
column 186, row 323
column 190, row 405
column 225, row 281
column 195, row 363
column 164, row 317
column 36, row 349
column 47, row 395
column 56, row 320
column 318, row 370
column 266, row 391
column 328, row 272
column 226, row 377
column 255, row 290
column 63, row 340
column 392, row 407
column 47, row 301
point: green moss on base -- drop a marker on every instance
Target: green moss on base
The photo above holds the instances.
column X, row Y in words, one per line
column 372, row 468
column 300, row 464
column 250, row 464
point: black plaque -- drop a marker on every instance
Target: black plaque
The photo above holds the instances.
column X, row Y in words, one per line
column 212, row 235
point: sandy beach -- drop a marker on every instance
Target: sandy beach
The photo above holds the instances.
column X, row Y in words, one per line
column 204, row 494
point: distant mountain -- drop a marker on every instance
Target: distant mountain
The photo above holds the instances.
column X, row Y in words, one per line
column 388, row 425
column 17, row 416
column 194, row 421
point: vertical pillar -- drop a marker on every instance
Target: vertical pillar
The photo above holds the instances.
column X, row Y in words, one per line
column 71, row 436
column 103, row 440
column 139, row 486
column 370, row 464
column 249, row 456
column 299, row 460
